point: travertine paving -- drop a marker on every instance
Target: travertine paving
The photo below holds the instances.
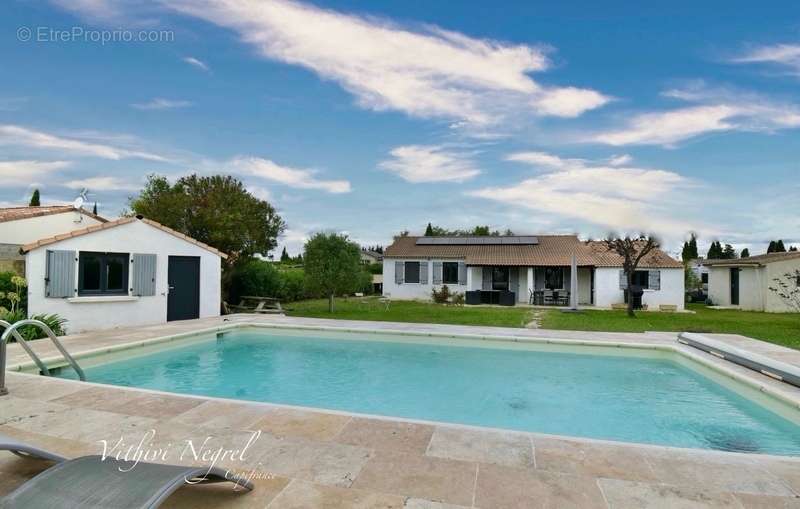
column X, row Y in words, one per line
column 305, row 458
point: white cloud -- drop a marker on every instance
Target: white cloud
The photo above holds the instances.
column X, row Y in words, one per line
column 292, row 177
column 618, row 198
column 159, row 103
column 26, row 172
column 428, row 72
column 197, row 63
column 20, row 136
column 620, row 160
column 102, row 184
column 666, row 128
column 784, row 55
column 430, row 163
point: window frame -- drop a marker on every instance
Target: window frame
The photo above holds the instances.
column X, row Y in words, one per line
column 550, row 270
column 405, row 272
column 454, row 268
column 104, row 258
column 646, row 285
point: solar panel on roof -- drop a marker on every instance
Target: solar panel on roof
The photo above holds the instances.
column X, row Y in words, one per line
column 477, row 241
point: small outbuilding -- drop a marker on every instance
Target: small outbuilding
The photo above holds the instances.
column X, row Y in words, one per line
column 744, row 283
column 131, row 271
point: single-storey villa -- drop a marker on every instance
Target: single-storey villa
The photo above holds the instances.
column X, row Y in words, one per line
column 131, row 271
column 535, row 269
column 744, row 283
column 22, row 225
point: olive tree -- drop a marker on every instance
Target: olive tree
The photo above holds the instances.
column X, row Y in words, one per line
column 332, row 265
column 632, row 251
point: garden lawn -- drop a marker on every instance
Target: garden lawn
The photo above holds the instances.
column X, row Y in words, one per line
column 369, row 308
column 781, row 329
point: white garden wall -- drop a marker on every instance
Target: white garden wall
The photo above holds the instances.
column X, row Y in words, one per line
column 88, row 313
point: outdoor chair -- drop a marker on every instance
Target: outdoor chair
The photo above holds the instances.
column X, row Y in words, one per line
column 91, row 481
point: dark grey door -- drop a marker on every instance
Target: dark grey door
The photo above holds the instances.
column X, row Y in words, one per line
column 734, row 287
column 183, row 302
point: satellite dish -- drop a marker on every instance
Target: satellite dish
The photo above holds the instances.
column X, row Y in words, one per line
column 80, row 200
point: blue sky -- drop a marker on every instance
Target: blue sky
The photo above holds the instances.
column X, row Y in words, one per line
column 371, row 118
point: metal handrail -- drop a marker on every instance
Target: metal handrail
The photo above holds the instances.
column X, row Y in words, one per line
column 11, row 330
column 24, row 344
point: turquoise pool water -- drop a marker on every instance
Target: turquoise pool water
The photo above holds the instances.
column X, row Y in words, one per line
column 634, row 398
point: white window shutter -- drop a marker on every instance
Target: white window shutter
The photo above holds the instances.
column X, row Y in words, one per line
column 144, row 275
column 423, row 273
column 60, row 276
column 654, row 279
column 399, row 272
column 462, row 273
column 623, row 280
column 437, row 273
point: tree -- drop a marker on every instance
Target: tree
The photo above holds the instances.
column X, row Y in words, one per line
column 728, row 253
column 429, row 231
column 35, row 199
column 217, row 210
column 745, row 253
column 285, row 256
column 689, row 251
column 715, row 251
column 776, row 246
column 332, row 265
column 94, row 209
column 632, row 251
column 792, row 248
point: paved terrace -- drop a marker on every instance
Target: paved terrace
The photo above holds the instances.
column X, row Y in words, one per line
column 307, row 458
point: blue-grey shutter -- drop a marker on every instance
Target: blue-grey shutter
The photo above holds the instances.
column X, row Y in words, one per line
column 399, row 272
column 623, row 280
column 654, row 279
column 437, row 273
column 462, row 273
column 487, row 278
column 60, row 276
column 144, row 275
column 423, row 273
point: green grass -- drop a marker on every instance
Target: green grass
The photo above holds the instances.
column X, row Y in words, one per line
column 782, row 329
column 411, row 311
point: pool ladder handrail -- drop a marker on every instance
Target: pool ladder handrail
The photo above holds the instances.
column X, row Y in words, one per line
column 11, row 330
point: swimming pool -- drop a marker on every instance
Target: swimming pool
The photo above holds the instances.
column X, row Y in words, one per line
column 632, row 395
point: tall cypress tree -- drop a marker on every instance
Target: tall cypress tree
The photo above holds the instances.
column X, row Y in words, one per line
column 728, row 253
column 94, row 209
column 429, row 231
column 693, row 247
column 35, row 199
column 779, row 247
column 745, row 253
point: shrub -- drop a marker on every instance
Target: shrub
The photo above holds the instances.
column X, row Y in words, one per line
column 441, row 296
column 263, row 279
column 30, row 332
column 375, row 268
column 292, row 285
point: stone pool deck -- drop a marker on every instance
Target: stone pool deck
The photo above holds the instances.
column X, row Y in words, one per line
column 306, row 458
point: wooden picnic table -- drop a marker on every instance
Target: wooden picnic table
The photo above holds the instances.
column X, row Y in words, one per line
column 255, row 304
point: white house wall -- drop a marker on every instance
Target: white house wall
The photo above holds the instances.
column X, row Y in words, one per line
column 774, row 270
column 608, row 292
column 31, row 229
column 88, row 313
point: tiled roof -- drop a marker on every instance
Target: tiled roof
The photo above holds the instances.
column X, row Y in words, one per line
column 754, row 260
column 551, row 250
column 114, row 224
column 17, row 213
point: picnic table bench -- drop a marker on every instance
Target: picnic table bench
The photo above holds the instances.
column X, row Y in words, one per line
column 252, row 304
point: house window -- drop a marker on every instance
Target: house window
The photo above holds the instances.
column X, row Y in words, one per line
column 103, row 273
column 704, row 278
column 450, row 273
column 500, row 278
column 412, row 272
column 641, row 278
column 554, row 278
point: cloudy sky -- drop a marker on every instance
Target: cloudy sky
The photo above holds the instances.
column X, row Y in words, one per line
column 374, row 117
